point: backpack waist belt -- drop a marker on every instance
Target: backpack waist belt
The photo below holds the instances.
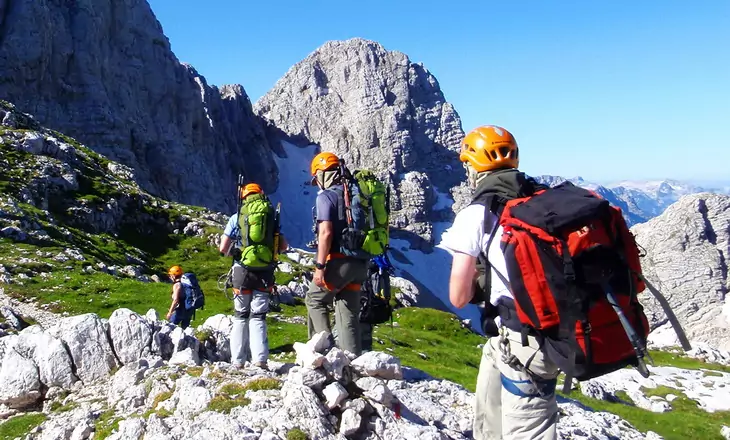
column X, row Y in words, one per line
column 350, row 287
column 250, row 291
column 335, row 256
column 508, row 316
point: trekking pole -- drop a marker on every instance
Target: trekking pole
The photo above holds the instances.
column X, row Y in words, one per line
column 639, row 347
column 346, row 191
column 686, row 346
column 236, row 229
column 277, row 233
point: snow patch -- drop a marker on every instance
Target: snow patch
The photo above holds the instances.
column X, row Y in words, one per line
column 431, row 271
column 443, row 201
column 295, row 193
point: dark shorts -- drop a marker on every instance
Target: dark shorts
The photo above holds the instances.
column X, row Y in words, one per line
column 181, row 317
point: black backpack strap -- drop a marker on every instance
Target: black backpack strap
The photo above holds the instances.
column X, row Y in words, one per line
column 495, row 204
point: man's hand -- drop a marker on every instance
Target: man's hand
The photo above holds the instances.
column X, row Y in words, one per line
column 318, row 278
column 168, row 315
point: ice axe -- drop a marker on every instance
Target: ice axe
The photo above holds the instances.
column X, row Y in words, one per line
column 670, row 314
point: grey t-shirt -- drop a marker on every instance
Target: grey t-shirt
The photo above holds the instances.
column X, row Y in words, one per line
column 329, row 208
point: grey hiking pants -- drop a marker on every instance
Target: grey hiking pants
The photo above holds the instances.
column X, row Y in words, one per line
column 249, row 333
column 366, row 337
column 344, row 277
column 508, row 406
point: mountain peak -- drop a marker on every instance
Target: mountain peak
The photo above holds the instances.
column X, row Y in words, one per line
column 374, row 108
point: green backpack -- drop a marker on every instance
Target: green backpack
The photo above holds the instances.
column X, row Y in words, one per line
column 368, row 233
column 257, row 222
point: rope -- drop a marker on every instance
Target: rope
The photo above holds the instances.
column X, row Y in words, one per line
column 511, row 360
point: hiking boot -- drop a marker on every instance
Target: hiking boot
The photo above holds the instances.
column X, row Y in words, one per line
column 261, row 365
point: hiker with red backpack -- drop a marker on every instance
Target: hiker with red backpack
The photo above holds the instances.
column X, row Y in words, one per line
column 555, row 272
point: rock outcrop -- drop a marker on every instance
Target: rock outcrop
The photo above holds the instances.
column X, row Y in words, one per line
column 377, row 109
column 103, row 72
column 57, row 192
column 152, row 395
column 687, row 259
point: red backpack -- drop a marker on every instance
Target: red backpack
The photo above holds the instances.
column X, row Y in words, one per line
column 574, row 272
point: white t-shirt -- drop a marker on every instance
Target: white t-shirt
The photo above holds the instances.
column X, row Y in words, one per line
column 467, row 236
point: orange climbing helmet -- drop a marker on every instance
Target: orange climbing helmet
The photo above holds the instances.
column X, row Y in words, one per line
column 175, row 271
column 324, row 161
column 488, row 148
column 251, row 188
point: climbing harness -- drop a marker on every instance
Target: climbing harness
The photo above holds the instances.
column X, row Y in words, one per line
column 513, row 362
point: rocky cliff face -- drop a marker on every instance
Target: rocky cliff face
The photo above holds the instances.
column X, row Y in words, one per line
column 103, row 72
column 379, row 110
column 687, row 252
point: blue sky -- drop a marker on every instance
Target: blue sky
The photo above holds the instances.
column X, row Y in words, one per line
column 603, row 89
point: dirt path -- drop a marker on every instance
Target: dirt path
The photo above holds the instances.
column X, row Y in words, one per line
column 30, row 310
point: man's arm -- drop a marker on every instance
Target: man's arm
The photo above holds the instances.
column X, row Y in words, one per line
column 176, row 299
column 461, row 283
column 225, row 245
column 229, row 236
column 324, row 239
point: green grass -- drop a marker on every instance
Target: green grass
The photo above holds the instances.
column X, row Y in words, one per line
column 680, row 360
column 230, row 396
column 162, row 412
column 203, row 335
column 60, row 407
column 233, row 395
column 685, row 421
column 105, row 425
column 195, row 371
column 262, row 384
column 296, row 434
column 451, row 350
column 21, row 425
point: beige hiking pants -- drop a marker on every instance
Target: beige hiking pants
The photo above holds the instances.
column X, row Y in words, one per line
column 508, row 406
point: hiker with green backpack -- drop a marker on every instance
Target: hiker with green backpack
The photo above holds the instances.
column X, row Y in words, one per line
column 253, row 238
column 351, row 228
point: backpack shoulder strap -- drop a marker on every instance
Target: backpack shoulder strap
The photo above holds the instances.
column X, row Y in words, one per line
column 340, row 193
column 492, row 203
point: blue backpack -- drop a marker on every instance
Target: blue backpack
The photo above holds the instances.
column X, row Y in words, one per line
column 194, row 297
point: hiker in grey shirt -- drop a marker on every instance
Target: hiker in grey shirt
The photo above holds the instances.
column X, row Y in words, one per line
column 337, row 278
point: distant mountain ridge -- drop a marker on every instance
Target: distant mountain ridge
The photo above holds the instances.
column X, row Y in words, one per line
column 640, row 200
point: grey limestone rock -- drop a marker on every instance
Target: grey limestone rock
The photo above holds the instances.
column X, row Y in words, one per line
column 376, row 109
column 687, row 251
column 129, row 98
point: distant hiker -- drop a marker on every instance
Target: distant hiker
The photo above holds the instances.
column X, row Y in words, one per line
column 252, row 236
column 187, row 297
column 569, row 275
column 337, row 278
